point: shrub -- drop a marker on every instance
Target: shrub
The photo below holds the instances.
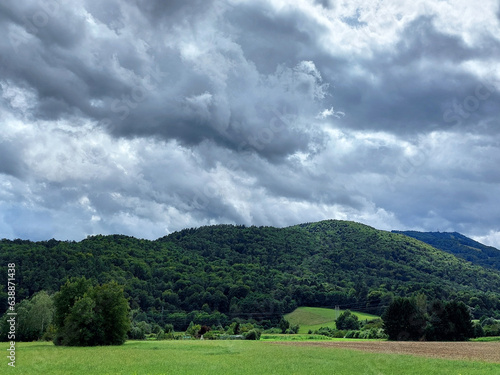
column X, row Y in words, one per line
column 478, row 330
column 294, row 329
column 253, row 334
column 352, row 334
column 136, row 333
column 284, row 325
column 193, row 329
column 169, row 328
column 338, row 334
column 211, row 335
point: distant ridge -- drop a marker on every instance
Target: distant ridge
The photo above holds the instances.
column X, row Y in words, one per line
column 460, row 246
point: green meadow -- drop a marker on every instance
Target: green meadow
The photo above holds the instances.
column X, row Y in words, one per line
column 313, row 318
column 225, row 357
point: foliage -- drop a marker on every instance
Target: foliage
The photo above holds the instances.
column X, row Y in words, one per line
column 403, row 320
column 372, row 333
column 284, row 325
column 347, row 321
column 253, row 334
column 450, row 321
column 212, row 275
column 169, row 328
column 460, row 246
column 313, row 318
column 490, row 326
column 294, row 329
column 33, row 319
column 89, row 316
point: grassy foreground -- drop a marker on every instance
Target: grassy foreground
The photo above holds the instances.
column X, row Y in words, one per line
column 313, row 318
column 225, row 357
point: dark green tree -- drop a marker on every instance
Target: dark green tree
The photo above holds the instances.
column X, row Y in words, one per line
column 347, row 321
column 64, row 300
column 403, row 320
column 284, row 325
column 79, row 326
column 449, row 321
column 88, row 316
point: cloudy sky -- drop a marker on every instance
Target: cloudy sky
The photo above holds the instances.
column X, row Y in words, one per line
column 143, row 117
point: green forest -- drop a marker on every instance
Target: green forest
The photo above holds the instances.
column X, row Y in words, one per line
column 460, row 246
column 217, row 273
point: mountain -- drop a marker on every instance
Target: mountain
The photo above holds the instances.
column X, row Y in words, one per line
column 224, row 271
column 460, row 246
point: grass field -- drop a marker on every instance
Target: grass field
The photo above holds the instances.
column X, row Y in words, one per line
column 312, row 318
column 226, row 357
column 487, row 339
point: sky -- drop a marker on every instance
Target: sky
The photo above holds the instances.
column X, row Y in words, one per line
column 146, row 117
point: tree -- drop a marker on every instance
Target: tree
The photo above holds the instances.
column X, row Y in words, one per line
column 43, row 311
column 193, row 329
column 347, row 321
column 33, row 318
column 449, row 322
column 111, row 309
column 284, row 325
column 79, row 328
column 64, row 300
column 403, row 320
column 88, row 316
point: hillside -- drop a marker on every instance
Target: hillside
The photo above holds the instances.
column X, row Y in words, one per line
column 223, row 271
column 313, row 318
column 460, row 246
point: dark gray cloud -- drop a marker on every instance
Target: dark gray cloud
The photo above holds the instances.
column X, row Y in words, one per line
column 149, row 116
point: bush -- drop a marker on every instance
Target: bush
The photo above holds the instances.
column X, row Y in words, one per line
column 162, row 335
column 169, row 328
column 294, row 329
column 136, row 333
column 211, row 335
column 284, row 325
column 273, row 330
column 478, row 330
column 338, row 334
column 253, row 334
column 492, row 330
column 372, row 333
column 352, row 334
column 374, row 323
column 193, row 329
column 50, row 333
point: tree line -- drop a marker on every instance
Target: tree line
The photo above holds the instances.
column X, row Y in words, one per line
column 219, row 273
column 83, row 313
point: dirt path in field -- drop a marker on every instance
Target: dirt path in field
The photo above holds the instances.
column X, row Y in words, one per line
column 477, row 351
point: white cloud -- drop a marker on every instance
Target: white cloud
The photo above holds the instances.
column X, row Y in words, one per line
column 490, row 239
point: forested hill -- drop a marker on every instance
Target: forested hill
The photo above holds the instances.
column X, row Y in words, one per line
column 460, row 246
column 256, row 271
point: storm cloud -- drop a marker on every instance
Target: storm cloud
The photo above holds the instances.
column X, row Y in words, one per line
column 146, row 117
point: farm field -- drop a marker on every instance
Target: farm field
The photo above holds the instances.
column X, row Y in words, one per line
column 238, row 357
column 483, row 351
column 313, row 318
